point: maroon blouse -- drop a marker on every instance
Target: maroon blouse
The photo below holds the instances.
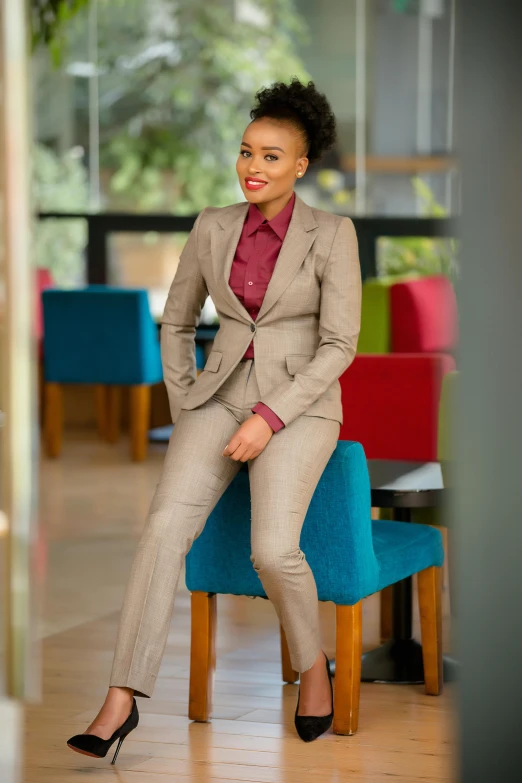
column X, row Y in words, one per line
column 256, row 255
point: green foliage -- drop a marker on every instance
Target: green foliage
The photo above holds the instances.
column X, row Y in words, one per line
column 332, row 193
column 177, row 79
column 402, row 6
column 59, row 185
column 399, row 255
column 48, row 23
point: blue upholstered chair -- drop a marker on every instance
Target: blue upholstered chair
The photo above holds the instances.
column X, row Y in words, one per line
column 351, row 557
column 105, row 337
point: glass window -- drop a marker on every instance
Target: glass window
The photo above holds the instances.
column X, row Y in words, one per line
column 146, row 109
column 59, row 246
column 150, row 261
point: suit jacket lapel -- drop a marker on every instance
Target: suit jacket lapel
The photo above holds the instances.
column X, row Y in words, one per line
column 301, row 233
column 224, row 239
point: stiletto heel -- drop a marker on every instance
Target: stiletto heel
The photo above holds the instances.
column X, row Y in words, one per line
column 309, row 727
column 120, row 743
column 91, row 745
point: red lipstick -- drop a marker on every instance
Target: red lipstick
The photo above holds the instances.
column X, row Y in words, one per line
column 254, row 183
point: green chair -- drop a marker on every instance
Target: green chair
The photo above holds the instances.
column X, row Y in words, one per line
column 445, row 448
column 447, row 414
column 446, row 455
column 375, row 334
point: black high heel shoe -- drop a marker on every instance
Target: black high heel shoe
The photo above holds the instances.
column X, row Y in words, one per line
column 91, row 745
column 310, row 727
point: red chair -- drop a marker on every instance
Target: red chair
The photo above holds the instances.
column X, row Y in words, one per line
column 44, row 280
column 423, row 315
column 390, row 404
column 391, row 401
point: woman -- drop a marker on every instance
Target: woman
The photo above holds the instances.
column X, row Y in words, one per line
column 269, row 395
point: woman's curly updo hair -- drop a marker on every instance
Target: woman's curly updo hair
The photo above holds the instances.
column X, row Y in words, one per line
column 302, row 106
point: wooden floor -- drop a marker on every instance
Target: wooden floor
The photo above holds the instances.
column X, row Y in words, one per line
column 93, row 506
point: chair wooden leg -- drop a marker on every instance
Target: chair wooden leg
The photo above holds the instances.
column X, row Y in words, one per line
column 102, row 410
column 202, row 655
column 53, row 425
column 429, row 584
column 289, row 674
column 446, row 571
column 386, row 618
column 113, row 413
column 41, row 394
column 139, row 421
column 348, row 660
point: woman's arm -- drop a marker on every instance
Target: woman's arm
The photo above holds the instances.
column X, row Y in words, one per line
column 339, row 325
column 186, row 298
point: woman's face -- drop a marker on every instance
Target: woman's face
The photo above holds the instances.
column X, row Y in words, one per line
column 270, row 159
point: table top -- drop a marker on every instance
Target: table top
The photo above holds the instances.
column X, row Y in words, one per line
column 397, row 484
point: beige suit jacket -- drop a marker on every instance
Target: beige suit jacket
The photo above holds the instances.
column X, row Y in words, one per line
column 305, row 335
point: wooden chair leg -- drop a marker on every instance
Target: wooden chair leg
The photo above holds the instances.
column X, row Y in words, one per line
column 139, row 421
column 113, row 413
column 53, row 425
column 202, row 655
column 348, row 660
column 289, row 674
column 386, row 618
column 41, row 394
column 429, row 584
column 102, row 410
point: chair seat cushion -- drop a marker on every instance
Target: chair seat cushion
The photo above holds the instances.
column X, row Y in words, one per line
column 335, row 558
column 336, row 536
column 403, row 549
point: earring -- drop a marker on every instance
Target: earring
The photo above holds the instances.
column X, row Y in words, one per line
column 299, row 173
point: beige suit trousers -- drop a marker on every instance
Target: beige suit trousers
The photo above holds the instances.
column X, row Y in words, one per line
column 195, row 475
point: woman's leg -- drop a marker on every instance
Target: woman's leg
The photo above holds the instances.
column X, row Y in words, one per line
column 283, row 479
column 194, row 476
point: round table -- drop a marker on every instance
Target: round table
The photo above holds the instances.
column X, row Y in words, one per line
column 402, row 486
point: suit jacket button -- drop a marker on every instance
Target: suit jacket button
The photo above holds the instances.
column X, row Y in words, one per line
column 252, row 327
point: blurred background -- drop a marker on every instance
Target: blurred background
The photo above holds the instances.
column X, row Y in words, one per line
column 121, row 121
column 138, row 108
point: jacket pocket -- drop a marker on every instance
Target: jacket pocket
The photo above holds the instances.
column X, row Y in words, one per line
column 213, row 361
column 296, row 360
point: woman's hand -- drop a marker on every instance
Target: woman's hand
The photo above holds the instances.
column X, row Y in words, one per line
column 249, row 440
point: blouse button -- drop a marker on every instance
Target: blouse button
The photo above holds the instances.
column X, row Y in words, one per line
column 250, row 282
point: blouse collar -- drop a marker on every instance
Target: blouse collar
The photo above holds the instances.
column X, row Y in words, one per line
column 279, row 223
